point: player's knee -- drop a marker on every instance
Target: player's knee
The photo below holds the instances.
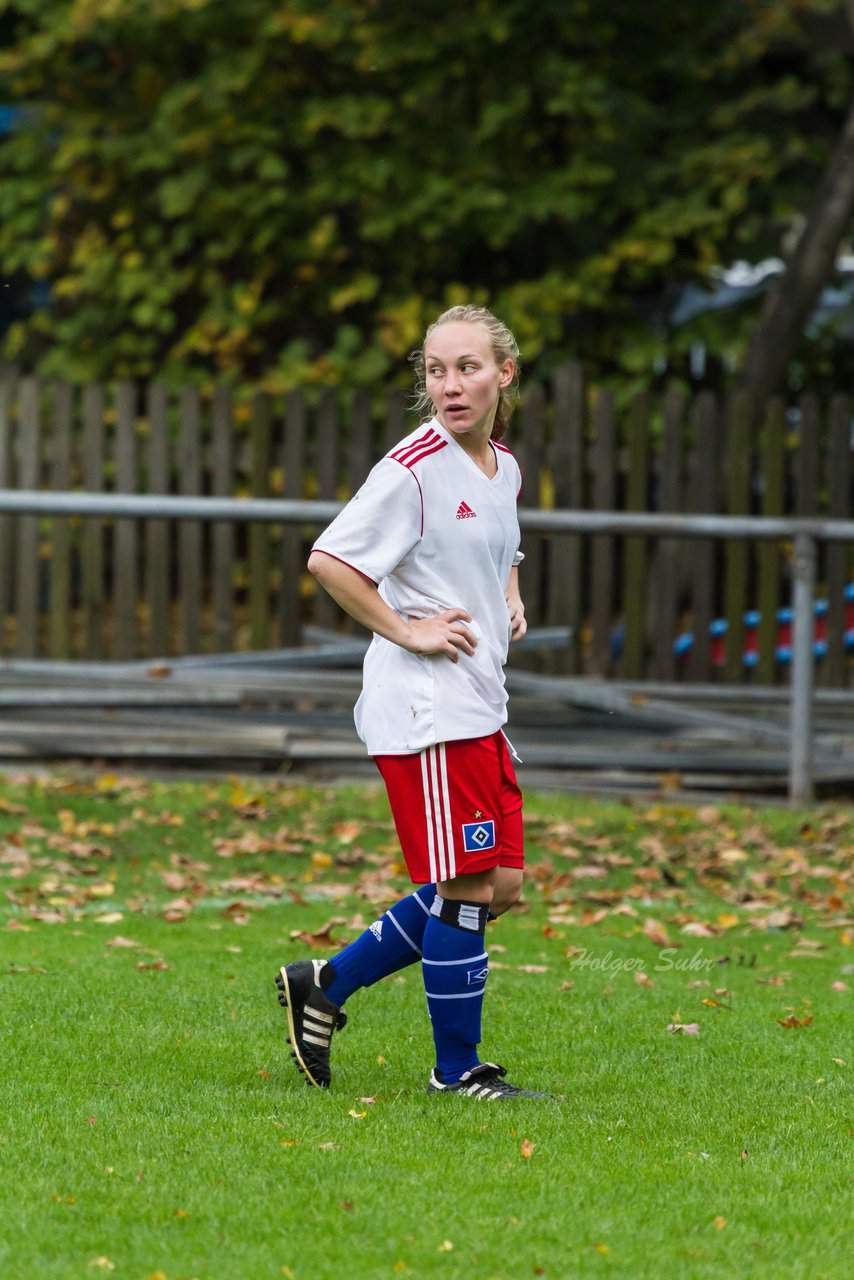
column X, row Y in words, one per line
column 507, row 893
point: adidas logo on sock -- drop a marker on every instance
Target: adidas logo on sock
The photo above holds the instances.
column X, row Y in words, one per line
column 464, row 512
column 377, row 930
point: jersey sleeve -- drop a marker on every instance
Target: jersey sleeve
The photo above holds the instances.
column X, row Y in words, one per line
column 379, row 525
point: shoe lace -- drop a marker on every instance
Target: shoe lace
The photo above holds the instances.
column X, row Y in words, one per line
column 491, row 1076
column 494, row 1080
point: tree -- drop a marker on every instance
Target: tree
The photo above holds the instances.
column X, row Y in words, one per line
column 282, row 192
column 790, row 303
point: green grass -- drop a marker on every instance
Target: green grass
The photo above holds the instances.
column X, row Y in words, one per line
column 153, row 1124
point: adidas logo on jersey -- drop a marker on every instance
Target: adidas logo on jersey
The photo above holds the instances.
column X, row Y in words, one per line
column 464, row 512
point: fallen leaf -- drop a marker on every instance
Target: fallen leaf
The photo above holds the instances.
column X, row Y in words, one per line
column 643, row 979
column 782, row 919
column 237, row 912
column 792, row 1021
column 839, row 986
column 119, row 941
column 103, row 889
column 322, row 939
column 110, row 917
column 6, row 806
column 357, row 1115
column 526, row 1149
column 656, row 932
column 720, row 1222
column 169, row 819
column 179, row 904
column 176, row 881
column 684, row 1028
column 696, row 929
column 103, row 1263
column 446, row 1246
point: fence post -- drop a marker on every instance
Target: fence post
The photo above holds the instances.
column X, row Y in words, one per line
column 801, row 749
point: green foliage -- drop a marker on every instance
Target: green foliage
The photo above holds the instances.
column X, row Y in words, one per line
column 283, row 193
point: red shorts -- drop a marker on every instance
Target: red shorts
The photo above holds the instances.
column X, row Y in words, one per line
column 457, row 808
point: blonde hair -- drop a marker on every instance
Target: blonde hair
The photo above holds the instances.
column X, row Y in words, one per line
column 504, row 347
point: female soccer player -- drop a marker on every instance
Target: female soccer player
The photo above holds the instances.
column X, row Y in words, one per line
column 425, row 555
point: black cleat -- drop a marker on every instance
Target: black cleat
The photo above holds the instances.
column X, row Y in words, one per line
column 311, row 1019
column 486, row 1080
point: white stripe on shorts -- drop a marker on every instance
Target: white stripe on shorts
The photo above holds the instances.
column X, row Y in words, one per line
column 446, row 805
column 428, row 815
column 437, row 811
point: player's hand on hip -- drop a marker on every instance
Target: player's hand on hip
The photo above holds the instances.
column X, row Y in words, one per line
column 445, row 633
column 518, row 625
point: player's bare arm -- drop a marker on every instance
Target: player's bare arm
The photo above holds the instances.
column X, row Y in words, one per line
column 518, row 625
column 446, row 633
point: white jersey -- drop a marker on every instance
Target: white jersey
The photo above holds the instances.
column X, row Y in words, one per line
column 434, row 532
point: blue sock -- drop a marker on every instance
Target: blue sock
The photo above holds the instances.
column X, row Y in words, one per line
column 391, row 943
column 455, row 970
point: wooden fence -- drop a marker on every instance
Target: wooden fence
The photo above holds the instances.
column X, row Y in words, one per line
column 638, row 608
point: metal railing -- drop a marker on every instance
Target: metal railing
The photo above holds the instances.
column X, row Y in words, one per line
column 804, row 533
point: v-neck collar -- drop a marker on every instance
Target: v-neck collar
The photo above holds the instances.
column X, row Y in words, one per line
column 449, row 437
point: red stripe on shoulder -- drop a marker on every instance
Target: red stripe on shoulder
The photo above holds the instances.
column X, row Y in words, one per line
column 502, row 447
column 409, row 457
column 425, row 453
column 402, row 453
